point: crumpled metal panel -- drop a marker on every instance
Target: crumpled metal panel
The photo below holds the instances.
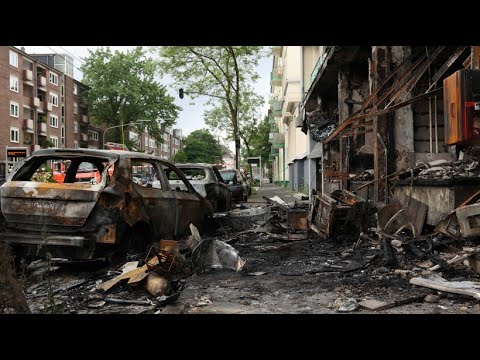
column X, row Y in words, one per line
column 48, row 203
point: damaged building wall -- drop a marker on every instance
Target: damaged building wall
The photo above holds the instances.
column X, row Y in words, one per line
column 403, row 129
column 441, row 200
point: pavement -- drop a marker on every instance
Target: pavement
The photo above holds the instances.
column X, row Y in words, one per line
column 271, row 190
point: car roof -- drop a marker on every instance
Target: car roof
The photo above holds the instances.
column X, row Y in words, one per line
column 194, row 165
column 110, row 154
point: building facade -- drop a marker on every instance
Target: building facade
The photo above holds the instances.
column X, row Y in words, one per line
column 36, row 109
column 172, row 142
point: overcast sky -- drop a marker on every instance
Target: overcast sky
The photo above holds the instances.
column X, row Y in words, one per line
column 191, row 117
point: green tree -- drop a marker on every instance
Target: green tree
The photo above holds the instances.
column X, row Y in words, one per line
column 258, row 141
column 202, row 147
column 249, row 114
column 218, row 71
column 180, row 157
column 123, row 89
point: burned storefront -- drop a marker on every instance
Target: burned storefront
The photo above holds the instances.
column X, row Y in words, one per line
column 401, row 113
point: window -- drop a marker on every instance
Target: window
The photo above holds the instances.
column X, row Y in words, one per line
column 75, row 127
column 53, row 99
column 63, row 135
column 14, row 134
column 75, row 144
column 93, row 135
column 62, row 90
column 146, row 141
column 165, row 137
column 14, row 83
column 152, row 143
column 75, row 89
column 13, row 58
column 75, row 108
column 54, row 141
column 53, row 78
column 14, row 109
column 54, row 121
column 145, row 174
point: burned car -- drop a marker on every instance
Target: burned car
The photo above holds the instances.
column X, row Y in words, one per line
column 112, row 213
column 236, row 183
column 208, row 182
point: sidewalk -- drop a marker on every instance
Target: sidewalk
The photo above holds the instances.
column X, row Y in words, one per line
column 270, row 190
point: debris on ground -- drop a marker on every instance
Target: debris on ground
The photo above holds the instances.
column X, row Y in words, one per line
column 469, row 288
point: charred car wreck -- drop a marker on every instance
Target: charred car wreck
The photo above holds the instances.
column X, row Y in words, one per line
column 112, row 214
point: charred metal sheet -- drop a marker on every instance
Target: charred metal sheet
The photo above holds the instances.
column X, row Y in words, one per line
column 107, row 234
column 469, row 220
column 449, row 227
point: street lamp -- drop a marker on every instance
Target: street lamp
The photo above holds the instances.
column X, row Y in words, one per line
column 116, row 126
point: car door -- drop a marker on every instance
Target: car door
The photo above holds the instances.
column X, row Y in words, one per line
column 192, row 207
column 156, row 196
column 225, row 193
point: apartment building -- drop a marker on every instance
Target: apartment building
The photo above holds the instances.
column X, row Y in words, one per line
column 172, row 142
column 34, row 107
column 289, row 144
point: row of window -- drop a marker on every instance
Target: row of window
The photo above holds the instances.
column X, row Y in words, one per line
column 53, row 78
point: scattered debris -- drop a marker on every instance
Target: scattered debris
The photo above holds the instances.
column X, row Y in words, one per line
column 347, row 305
column 216, row 254
column 257, row 273
column 126, row 301
column 375, row 305
column 436, row 282
column 432, row 299
column 157, row 285
column 134, row 275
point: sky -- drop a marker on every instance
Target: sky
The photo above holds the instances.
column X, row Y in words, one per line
column 191, row 117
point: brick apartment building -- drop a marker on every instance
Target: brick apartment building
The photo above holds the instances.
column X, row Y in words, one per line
column 172, row 142
column 39, row 107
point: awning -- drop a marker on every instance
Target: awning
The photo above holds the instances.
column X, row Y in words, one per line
column 316, row 151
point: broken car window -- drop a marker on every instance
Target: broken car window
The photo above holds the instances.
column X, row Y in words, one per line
column 144, row 174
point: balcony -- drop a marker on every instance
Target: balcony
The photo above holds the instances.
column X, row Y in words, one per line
column 42, row 129
column 277, row 106
column 277, row 50
column 36, row 102
column 28, row 125
column 278, row 141
column 276, row 76
column 42, row 83
column 85, row 119
column 48, row 107
column 34, row 148
column 28, row 77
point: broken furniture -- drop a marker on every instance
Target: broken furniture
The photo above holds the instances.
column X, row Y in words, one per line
column 341, row 212
column 297, row 222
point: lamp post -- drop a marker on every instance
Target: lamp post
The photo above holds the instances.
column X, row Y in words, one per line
column 116, row 126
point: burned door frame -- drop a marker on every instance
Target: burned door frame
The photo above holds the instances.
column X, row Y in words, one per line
column 189, row 204
column 157, row 202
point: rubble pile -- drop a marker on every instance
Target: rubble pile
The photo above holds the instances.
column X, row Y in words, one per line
column 320, row 125
column 443, row 169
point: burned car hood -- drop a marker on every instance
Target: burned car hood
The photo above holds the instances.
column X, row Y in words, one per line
column 28, row 202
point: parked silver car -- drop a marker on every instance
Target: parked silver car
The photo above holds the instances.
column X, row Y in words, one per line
column 237, row 184
column 208, row 182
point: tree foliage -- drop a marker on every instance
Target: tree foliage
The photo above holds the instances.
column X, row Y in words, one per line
column 219, row 71
column 249, row 116
column 200, row 147
column 123, row 90
column 180, row 157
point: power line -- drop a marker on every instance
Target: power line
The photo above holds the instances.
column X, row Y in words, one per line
column 61, row 47
column 62, row 56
